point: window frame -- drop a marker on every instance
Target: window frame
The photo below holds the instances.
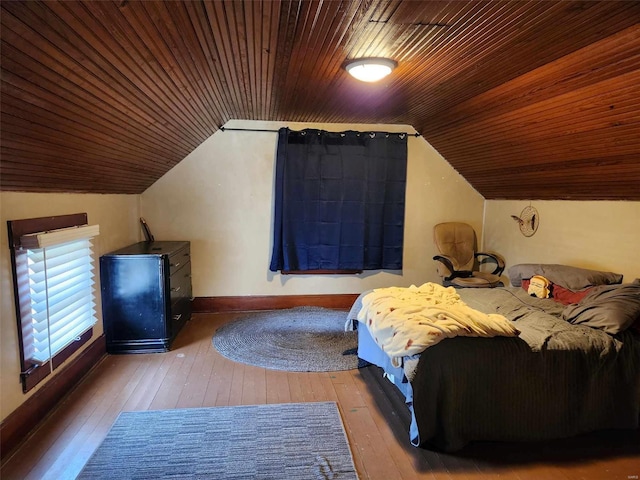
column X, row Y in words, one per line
column 31, row 373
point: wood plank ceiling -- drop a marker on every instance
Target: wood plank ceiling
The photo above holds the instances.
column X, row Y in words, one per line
column 526, row 99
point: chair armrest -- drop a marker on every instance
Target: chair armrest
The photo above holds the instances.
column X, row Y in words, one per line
column 452, row 266
column 493, row 258
column 448, row 262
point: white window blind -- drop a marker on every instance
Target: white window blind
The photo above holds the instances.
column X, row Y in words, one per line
column 61, row 286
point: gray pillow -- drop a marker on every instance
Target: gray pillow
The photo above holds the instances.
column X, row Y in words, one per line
column 612, row 308
column 573, row 278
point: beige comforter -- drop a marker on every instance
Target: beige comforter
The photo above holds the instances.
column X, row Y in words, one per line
column 406, row 321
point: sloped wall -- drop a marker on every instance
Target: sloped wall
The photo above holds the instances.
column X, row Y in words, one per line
column 221, row 199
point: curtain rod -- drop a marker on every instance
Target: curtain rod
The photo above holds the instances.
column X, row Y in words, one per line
column 224, row 129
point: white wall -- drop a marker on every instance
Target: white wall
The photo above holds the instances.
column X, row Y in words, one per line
column 220, row 198
column 600, row 235
column 117, row 216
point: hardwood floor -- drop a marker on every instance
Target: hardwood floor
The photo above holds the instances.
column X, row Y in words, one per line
column 193, row 374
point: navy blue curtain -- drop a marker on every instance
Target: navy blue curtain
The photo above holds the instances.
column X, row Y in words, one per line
column 339, row 200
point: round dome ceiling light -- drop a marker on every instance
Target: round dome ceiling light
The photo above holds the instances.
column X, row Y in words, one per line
column 370, row 69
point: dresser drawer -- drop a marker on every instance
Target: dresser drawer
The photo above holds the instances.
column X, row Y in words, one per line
column 180, row 283
column 180, row 313
column 178, row 260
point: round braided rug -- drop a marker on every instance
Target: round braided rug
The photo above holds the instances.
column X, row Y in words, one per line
column 303, row 339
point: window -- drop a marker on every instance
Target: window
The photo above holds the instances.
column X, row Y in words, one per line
column 55, row 297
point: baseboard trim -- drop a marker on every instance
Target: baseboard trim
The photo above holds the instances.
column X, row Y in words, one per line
column 271, row 302
column 15, row 428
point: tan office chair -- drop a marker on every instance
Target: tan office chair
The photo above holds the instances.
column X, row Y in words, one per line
column 458, row 261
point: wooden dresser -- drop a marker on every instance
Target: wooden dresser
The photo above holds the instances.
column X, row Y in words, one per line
column 146, row 295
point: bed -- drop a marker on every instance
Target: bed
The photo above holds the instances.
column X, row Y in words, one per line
column 571, row 368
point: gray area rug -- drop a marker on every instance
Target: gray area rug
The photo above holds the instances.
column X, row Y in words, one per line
column 279, row 441
column 303, row 339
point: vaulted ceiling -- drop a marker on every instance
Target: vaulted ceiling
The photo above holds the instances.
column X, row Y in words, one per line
column 526, row 99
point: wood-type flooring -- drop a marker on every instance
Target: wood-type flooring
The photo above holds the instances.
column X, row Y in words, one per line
column 376, row 420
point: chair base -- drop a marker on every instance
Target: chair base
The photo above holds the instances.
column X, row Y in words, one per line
column 477, row 280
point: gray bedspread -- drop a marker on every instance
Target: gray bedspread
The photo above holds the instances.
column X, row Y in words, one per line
column 555, row 380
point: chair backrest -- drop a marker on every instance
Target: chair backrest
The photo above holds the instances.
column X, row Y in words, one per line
column 456, row 240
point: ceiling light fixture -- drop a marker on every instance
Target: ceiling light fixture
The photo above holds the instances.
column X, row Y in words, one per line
column 370, row 69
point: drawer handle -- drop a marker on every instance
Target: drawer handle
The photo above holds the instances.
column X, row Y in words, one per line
column 176, row 289
column 175, row 264
column 177, row 317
